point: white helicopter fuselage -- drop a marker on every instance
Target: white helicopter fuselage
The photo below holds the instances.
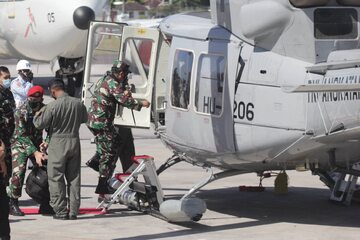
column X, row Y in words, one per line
column 234, row 108
column 260, row 85
column 45, row 30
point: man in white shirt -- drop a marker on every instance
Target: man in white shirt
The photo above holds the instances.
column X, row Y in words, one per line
column 21, row 85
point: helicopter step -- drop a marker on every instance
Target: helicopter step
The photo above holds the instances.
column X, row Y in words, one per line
column 139, row 189
column 141, row 196
column 344, row 189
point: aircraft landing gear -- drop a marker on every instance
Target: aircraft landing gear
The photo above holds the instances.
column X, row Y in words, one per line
column 72, row 83
column 72, row 74
column 169, row 163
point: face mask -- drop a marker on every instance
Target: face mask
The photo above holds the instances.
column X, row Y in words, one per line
column 27, row 75
column 35, row 105
column 6, row 83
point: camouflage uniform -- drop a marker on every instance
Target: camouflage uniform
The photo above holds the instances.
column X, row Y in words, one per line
column 101, row 114
column 7, row 104
column 25, row 141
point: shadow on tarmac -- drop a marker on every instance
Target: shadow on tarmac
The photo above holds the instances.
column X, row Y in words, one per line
column 300, row 205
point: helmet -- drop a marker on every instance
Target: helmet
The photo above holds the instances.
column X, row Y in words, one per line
column 120, row 66
column 22, row 65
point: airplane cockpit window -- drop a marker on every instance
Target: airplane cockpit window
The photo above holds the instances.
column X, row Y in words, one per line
column 335, row 23
column 181, row 79
column 210, row 85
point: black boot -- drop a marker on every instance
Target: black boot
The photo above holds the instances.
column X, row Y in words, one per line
column 94, row 162
column 103, row 186
column 46, row 209
column 14, row 207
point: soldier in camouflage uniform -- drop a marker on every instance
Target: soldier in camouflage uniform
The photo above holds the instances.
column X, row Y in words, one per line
column 25, row 142
column 109, row 91
column 7, row 104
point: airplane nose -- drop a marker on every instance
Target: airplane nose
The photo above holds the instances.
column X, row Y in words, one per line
column 82, row 17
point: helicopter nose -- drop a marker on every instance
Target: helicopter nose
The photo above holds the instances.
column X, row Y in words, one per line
column 82, row 17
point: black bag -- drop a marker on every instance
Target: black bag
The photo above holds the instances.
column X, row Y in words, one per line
column 37, row 186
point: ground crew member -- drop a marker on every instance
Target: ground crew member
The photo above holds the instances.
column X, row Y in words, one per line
column 63, row 118
column 21, row 85
column 25, row 142
column 4, row 199
column 109, row 91
column 7, row 105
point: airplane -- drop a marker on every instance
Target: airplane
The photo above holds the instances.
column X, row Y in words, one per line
column 49, row 31
column 252, row 87
column 124, row 18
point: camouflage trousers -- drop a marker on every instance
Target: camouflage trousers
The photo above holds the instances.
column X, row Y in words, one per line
column 16, row 182
column 105, row 140
column 6, row 140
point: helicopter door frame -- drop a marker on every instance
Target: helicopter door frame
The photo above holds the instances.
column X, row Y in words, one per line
column 129, row 36
column 109, row 29
column 132, row 36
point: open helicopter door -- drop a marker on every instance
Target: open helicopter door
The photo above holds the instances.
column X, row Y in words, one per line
column 103, row 47
column 138, row 47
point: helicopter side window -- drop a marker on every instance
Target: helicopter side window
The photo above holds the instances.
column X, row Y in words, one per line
column 181, row 78
column 335, row 23
column 210, row 84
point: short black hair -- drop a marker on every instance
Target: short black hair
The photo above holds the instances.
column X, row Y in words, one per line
column 4, row 69
column 57, row 83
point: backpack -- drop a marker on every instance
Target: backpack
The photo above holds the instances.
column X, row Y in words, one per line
column 37, row 186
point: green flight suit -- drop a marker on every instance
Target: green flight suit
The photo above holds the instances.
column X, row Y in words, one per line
column 63, row 118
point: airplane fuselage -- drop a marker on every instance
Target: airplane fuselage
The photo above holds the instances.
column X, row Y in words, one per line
column 45, row 30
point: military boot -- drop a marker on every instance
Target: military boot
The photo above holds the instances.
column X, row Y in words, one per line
column 46, row 209
column 103, row 186
column 94, row 162
column 14, row 207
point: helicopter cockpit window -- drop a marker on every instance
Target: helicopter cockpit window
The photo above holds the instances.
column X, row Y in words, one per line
column 210, row 84
column 181, row 78
column 335, row 23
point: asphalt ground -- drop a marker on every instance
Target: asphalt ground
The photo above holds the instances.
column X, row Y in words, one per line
column 303, row 213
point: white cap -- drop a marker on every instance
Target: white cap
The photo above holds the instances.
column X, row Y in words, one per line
column 23, row 64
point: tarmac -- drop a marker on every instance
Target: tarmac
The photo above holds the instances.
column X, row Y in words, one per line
column 303, row 213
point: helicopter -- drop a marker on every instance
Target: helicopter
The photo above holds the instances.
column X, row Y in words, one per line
column 251, row 86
